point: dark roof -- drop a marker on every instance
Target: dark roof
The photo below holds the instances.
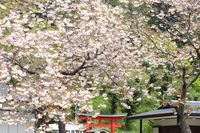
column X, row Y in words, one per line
column 167, row 112
column 193, row 103
column 195, row 113
column 153, row 114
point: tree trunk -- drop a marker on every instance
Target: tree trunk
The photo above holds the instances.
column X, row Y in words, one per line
column 181, row 119
column 113, row 103
column 127, row 121
column 73, row 112
column 181, row 110
column 61, row 127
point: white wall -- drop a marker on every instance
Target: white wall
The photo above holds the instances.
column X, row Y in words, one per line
column 169, row 122
column 18, row 128
column 155, row 130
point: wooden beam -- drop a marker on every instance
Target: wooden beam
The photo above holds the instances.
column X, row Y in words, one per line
column 104, row 125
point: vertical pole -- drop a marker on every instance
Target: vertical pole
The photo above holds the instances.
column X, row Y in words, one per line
column 8, row 128
column 99, row 121
column 73, row 112
column 61, row 126
column 140, row 125
column 87, row 127
column 112, row 126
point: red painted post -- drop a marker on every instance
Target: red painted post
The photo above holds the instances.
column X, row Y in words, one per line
column 87, row 127
column 100, row 121
column 112, row 122
column 100, row 118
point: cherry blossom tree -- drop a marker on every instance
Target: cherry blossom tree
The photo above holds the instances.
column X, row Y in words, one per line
column 170, row 31
column 53, row 54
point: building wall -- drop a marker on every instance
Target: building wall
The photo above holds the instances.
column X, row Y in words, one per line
column 18, row 128
column 170, row 122
column 155, row 130
column 170, row 125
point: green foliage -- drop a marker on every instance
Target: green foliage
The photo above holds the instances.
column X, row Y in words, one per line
column 13, row 81
column 194, row 91
column 100, row 100
column 136, row 106
column 169, row 44
column 113, row 2
column 142, row 9
column 6, row 48
column 7, row 7
column 147, row 127
column 36, row 64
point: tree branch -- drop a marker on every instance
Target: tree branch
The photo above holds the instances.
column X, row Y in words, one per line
column 167, row 53
column 193, row 80
column 5, row 109
column 182, row 34
column 111, row 78
column 75, row 70
column 15, row 62
column 25, row 69
column 78, row 69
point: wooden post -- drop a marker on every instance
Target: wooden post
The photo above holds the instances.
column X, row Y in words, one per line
column 140, row 125
column 112, row 122
column 100, row 122
column 87, row 127
column 112, row 118
column 61, row 126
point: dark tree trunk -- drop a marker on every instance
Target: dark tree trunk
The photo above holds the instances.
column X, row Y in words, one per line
column 181, row 119
column 73, row 112
column 180, row 109
column 113, row 104
column 61, row 127
column 127, row 121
